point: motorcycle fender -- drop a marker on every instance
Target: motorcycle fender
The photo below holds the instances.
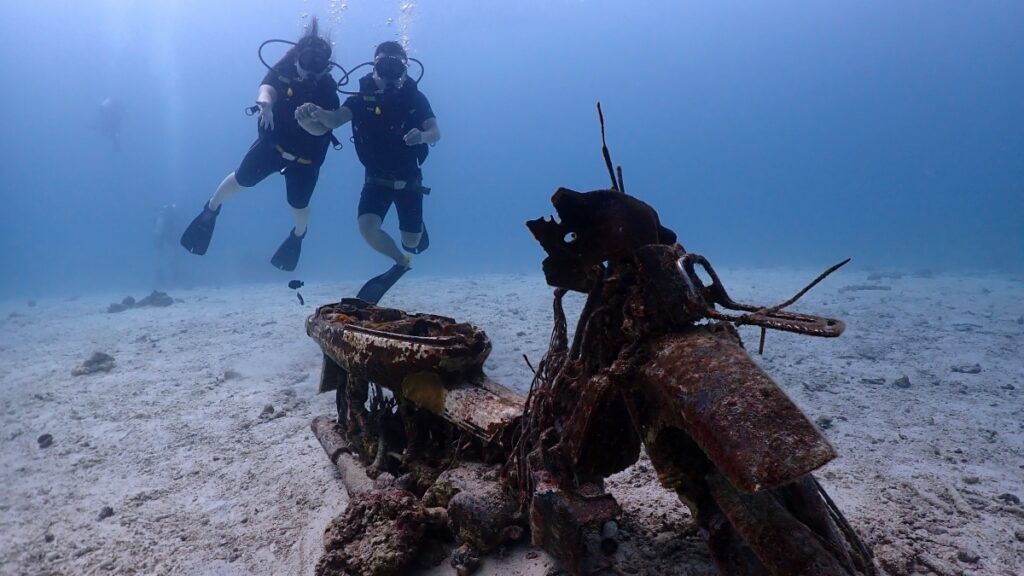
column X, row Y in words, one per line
column 703, row 382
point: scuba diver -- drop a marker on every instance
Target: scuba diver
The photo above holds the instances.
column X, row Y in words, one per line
column 301, row 76
column 392, row 125
column 111, row 116
column 165, row 235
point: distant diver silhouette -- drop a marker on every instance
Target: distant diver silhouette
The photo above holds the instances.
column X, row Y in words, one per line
column 111, row 116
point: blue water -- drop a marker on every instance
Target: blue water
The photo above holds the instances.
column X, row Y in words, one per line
column 765, row 133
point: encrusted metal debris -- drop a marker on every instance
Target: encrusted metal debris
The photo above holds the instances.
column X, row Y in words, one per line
column 654, row 362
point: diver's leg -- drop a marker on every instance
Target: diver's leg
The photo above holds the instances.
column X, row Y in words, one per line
column 300, row 180
column 379, row 240
column 409, row 205
column 260, row 161
column 411, row 240
column 373, row 206
column 301, row 220
column 374, row 203
column 376, row 287
column 228, row 188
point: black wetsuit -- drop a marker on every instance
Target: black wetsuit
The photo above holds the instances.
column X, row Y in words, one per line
column 380, row 120
column 265, row 155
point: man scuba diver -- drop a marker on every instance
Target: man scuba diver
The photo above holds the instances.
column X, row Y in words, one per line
column 111, row 116
column 392, row 125
column 301, row 76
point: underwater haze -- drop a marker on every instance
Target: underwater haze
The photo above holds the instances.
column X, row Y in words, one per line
column 766, row 134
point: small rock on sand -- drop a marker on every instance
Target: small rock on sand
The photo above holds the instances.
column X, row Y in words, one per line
column 105, row 512
column 966, row 368
column 156, row 298
column 823, row 422
column 1009, row 498
column 45, row 441
column 936, row 565
column 902, row 382
column 98, row 362
column 968, row 556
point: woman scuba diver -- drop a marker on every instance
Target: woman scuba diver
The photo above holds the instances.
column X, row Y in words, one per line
column 301, row 76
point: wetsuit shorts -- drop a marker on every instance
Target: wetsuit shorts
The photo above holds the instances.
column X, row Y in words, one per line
column 263, row 159
column 377, row 199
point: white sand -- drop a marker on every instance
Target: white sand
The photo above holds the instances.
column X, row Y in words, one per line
column 172, row 439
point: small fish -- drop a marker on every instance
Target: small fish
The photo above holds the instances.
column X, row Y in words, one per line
column 296, row 284
column 301, row 301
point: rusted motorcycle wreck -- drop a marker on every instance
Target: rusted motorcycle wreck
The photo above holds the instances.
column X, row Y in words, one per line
column 430, row 447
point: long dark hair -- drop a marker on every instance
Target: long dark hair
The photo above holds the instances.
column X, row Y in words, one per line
column 310, row 39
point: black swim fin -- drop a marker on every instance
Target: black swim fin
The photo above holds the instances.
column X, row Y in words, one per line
column 287, row 255
column 196, row 238
column 423, row 245
column 376, row 287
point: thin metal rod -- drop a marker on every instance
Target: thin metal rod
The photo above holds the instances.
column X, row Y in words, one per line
column 604, row 150
column 820, row 277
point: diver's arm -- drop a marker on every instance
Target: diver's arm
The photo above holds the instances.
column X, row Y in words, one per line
column 267, row 95
column 431, row 131
column 311, row 125
column 428, row 133
column 265, row 100
column 334, row 118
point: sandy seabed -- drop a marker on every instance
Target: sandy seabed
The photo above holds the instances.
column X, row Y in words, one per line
column 194, row 454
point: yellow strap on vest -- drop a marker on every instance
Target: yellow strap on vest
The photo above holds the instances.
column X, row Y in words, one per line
column 287, row 81
column 292, row 157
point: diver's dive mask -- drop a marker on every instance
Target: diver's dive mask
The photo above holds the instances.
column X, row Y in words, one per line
column 390, row 69
column 313, row 62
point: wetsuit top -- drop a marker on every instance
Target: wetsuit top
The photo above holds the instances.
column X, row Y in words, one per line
column 292, row 93
column 379, row 122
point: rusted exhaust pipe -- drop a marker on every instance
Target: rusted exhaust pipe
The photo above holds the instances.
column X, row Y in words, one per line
column 352, row 473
